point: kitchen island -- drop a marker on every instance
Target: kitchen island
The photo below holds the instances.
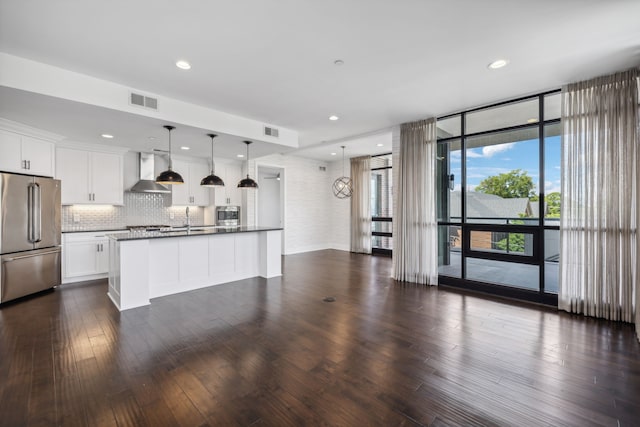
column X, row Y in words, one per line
column 145, row 265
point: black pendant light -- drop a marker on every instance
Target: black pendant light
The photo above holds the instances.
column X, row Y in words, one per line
column 212, row 180
column 169, row 177
column 247, row 182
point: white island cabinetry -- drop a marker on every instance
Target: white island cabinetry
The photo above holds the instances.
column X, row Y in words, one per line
column 85, row 256
column 159, row 264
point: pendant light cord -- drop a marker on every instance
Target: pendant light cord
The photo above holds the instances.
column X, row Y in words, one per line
column 343, row 160
column 247, row 160
column 170, row 160
column 213, row 165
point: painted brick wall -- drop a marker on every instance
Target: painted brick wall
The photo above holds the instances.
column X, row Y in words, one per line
column 307, row 216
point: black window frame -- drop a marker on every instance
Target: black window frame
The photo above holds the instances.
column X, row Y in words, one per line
column 382, row 251
column 538, row 230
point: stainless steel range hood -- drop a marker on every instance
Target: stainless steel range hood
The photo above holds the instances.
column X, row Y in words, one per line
column 147, row 183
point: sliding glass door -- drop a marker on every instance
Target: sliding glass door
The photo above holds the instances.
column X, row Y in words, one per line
column 498, row 171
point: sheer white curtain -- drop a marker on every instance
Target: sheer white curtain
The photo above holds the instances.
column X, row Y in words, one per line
column 361, row 205
column 600, row 196
column 415, row 248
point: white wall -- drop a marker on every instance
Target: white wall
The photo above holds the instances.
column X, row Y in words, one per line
column 269, row 207
column 314, row 219
column 339, row 233
column 307, row 217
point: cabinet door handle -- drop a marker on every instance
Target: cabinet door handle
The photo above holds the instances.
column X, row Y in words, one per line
column 29, row 164
column 24, row 164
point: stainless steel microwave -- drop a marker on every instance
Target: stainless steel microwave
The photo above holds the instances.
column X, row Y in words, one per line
column 228, row 216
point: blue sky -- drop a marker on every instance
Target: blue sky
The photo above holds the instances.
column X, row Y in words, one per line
column 496, row 159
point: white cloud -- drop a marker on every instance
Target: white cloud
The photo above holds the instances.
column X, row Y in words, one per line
column 552, row 187
column 473, row 154
column 490, row 150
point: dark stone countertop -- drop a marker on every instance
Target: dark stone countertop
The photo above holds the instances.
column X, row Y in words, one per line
column 141, row 235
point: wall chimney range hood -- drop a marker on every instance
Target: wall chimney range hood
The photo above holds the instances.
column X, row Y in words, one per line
column 147, row 183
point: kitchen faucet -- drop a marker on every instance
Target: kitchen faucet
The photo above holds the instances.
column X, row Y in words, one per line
column 188, row 224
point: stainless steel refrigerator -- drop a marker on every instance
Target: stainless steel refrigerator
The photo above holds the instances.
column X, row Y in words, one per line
column 30, row 255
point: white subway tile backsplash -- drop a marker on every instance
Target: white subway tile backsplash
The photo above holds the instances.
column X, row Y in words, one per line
column 138, row 209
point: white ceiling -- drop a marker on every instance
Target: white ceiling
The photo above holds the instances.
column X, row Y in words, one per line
column 273, row 60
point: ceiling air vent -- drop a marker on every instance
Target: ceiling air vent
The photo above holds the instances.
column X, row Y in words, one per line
column 271, row 131
column 143, row 101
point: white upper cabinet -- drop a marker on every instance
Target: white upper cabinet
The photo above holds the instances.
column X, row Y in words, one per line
column 90, row 177
column 230, row 194
column 191, row 193
column 25, row 154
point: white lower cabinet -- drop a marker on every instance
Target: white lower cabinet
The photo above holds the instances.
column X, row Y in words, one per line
column 85, row 256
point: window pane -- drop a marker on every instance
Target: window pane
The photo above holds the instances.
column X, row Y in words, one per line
column 449, row 173
column 504, row 273
column 448, row 128
column 381, row 197
column 383, row 226
column 380, row 242
column 499, row 242
column 552, row 106
column 519, row 113
column 551, row 260
column 502, row 177
column 381, row 161
column 552, row 156
column 449, row 250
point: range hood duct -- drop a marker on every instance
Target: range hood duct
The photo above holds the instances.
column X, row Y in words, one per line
column 147, row 183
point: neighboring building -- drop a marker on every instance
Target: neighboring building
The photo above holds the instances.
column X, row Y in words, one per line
column 491, row 209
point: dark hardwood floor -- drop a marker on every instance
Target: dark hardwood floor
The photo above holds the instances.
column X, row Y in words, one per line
column 273, row 353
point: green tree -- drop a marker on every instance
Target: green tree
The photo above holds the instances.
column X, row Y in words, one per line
column 553, row 204
column 514, row 242
column 514, row 184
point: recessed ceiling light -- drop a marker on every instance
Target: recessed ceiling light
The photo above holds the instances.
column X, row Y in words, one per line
column 240, row 155
column 183, row 65
column 498, row 63
column 532, row 121
column 333, row 118
column 338, row 62
column 333, row 154
column 151, row 138
column 106, row 135
column 184, row 148
column 380, row 145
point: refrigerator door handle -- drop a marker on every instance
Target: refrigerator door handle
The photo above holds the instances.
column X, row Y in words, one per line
column 15, row 258
column 37, row 229
column 30, row 213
